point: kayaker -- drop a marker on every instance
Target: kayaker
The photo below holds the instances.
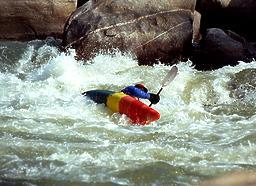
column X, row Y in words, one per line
column 140, row 91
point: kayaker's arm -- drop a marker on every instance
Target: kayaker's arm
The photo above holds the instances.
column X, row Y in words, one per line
column 136, row 92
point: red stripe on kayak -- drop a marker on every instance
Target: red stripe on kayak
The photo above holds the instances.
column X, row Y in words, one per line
column 137, row 111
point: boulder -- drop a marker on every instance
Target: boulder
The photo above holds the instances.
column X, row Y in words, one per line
column 150, row 29
column 30, row 19
column 220, row 48
column 236, row 15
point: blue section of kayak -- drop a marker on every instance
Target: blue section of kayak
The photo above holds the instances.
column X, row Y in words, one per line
column 98, row 96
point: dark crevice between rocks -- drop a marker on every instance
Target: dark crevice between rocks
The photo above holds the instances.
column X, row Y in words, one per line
column 81, row 3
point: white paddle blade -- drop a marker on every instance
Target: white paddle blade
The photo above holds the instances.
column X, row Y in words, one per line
column 170, row 76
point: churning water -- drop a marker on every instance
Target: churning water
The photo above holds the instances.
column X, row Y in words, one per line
column 51, row 135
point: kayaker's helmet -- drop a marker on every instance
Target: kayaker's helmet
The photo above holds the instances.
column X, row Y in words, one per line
column 141, row 86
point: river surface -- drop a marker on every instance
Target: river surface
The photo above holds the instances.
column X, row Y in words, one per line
column 51, row 135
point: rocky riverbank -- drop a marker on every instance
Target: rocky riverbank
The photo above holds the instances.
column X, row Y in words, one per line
column 210, row 33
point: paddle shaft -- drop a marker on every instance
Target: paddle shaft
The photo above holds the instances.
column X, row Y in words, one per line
column 167, row 80
column 160, row 90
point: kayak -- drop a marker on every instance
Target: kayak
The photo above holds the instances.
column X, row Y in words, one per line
column 138, row 112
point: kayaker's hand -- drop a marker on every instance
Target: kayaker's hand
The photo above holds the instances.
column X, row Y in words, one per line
column 154, row 98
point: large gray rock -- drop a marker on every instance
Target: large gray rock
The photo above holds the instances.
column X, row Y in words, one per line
column 150, row 29
column 236, row 15
column 31, row 19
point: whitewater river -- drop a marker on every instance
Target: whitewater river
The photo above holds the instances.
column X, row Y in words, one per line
column 51, row 135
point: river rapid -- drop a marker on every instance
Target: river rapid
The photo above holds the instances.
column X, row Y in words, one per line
column 51, row 135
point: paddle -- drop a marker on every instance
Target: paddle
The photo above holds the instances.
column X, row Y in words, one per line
column 168, row 79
